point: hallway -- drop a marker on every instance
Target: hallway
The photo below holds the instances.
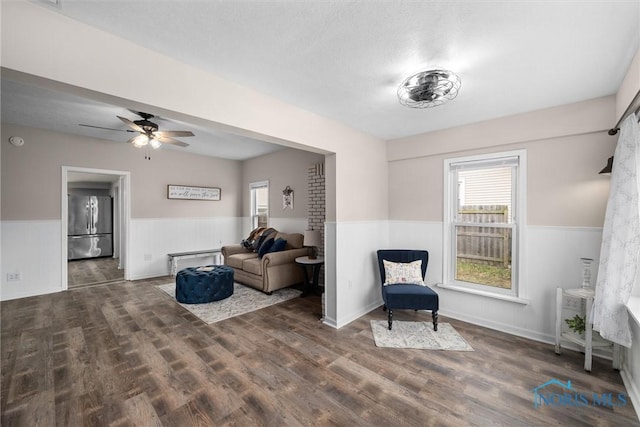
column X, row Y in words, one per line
column 93, row 271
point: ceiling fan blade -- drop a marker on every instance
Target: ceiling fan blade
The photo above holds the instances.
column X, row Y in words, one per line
column 168, row 140
column 101, row 127
column 131, row 124
column 170, row 133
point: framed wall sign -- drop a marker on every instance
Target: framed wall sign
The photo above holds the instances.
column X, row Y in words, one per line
column 186, row 192
column 287, row 198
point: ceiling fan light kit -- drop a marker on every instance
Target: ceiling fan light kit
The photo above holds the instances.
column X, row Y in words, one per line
column 429, row 88
column 148, row 132
column 139, row 141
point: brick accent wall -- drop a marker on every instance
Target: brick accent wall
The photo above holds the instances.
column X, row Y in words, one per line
column 317, row 212
column 317, row 201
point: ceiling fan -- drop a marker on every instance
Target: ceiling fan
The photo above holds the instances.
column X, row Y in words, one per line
column 148, row 132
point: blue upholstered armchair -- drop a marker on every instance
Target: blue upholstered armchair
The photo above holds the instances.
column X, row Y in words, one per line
column 407, row 296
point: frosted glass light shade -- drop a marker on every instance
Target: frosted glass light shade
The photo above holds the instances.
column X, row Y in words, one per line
column 140, row 140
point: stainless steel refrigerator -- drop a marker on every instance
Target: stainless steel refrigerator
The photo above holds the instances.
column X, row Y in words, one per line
column 90, row 232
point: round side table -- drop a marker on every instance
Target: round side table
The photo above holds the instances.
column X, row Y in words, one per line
column 310, row 287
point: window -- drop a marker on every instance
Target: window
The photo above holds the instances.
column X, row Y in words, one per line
column 484, row 224
column 259, row 204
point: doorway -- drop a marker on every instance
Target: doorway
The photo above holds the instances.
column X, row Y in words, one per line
column 95, row 218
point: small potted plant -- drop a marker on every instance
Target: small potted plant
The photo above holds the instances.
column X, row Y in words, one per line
column 576, row 324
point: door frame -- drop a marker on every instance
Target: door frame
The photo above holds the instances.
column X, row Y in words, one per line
column 124, row 215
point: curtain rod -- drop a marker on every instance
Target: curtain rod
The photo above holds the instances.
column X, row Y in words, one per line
column 627, row 112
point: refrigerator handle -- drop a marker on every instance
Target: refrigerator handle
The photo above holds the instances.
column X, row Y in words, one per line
column 94, row 208
column 88, row 215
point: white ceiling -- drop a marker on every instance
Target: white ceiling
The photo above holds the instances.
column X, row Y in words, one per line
column 344, row 60
column 43, row 108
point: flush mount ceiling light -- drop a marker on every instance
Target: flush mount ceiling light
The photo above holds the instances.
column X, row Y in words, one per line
column 429, row 88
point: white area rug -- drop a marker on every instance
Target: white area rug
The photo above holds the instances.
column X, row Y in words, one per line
column 418, row 335
column 243, row 300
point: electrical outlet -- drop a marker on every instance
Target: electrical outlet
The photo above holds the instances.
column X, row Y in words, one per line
column 13, row 277
column 147, row 257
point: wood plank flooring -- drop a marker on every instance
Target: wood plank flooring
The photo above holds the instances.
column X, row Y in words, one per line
column 88, row 272
column 126, row 354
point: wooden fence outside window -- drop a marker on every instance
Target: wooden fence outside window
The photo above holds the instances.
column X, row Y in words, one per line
column 484, row 244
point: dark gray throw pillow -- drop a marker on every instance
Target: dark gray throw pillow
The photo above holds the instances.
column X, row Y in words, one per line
column 264, row 248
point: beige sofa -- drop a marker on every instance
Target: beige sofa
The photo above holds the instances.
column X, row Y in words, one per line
column 273, row 271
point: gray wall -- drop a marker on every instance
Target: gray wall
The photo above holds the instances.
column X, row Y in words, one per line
column 282, row 168
column 566, row 147
column 31, row 176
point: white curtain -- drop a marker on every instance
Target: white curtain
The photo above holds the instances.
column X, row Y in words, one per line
column 620, row 250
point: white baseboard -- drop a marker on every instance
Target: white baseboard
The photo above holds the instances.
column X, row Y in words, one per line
column 330, row 322
column 502, row 327
column 356, row 315
column 150, row 276
column 632, row 390
column 520, row 332
column 8, row 294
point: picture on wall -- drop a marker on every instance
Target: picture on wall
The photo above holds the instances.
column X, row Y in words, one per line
column 287, row 198
column 186, row 192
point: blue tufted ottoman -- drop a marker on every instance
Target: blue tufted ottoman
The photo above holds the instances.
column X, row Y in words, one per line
column 197, row 285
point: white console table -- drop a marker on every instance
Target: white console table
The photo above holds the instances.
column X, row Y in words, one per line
column 591, row 339
column 175, row 257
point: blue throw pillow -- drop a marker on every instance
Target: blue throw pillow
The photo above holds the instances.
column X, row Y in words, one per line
column 278, row 245
column 264, row 248
column 264, row 236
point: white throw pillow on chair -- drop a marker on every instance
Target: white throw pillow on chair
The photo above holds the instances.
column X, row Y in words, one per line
column 403, row 273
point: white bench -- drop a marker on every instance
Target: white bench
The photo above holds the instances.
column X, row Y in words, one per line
column 175, row 257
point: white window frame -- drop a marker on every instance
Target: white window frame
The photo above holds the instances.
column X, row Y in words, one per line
column 518, row 292
column 253, row 217
column 460, row 195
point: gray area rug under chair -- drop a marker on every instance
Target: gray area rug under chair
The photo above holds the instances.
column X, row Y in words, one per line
column 418, row 335
column 243, row 300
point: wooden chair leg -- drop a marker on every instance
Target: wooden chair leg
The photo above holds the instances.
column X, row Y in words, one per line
column 434, row 315
column 390, row 316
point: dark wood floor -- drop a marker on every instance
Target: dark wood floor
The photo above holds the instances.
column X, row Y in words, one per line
column 88, row 272
column 126, row 354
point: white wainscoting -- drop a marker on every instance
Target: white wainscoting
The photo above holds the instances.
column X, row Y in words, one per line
column 330, row 295
column 631, row 367
column 553, row 260
column 420, row 235
column 32, row 249
column 357, row 289
column 153, row 238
